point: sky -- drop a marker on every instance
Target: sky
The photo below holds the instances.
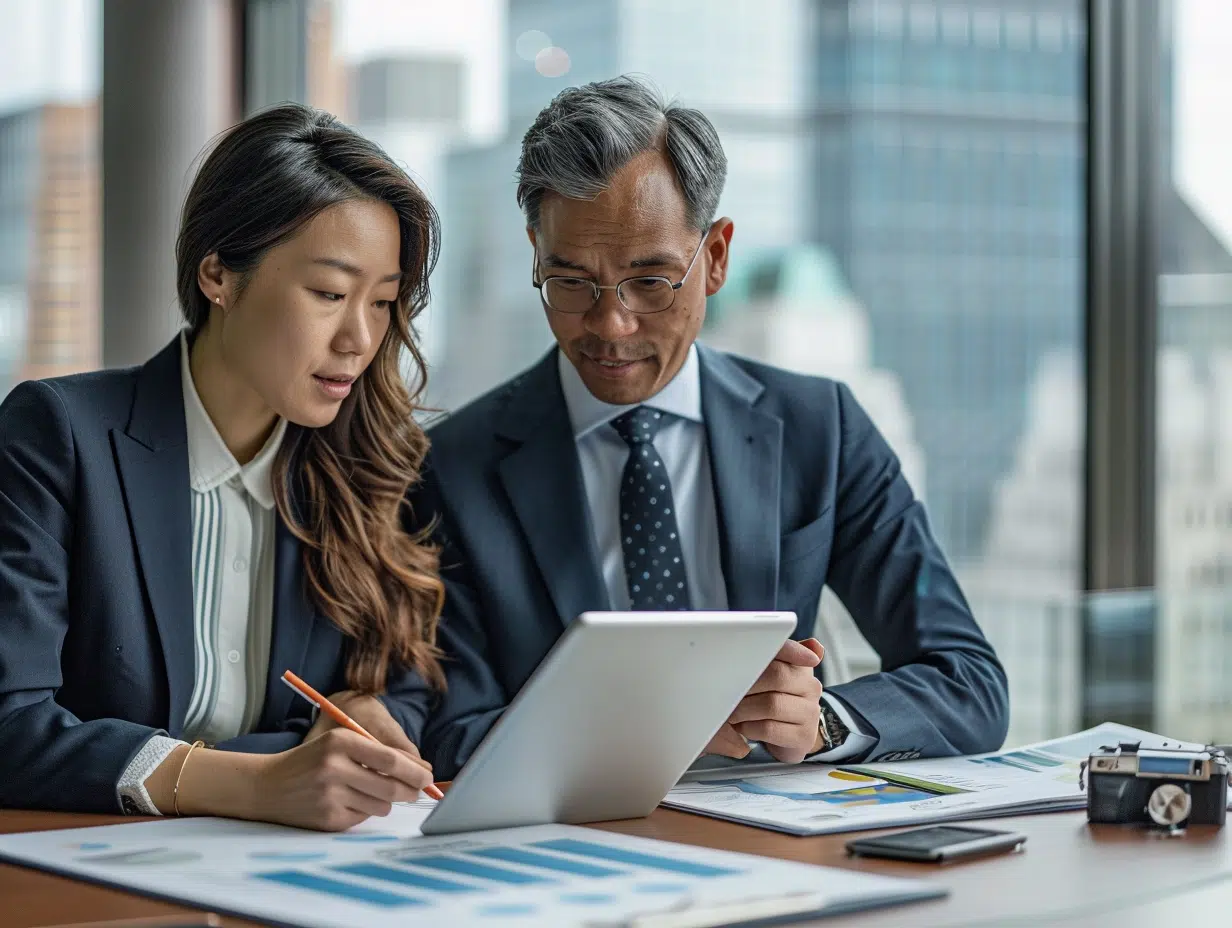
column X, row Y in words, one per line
column 1202, row 145
column 49, row 50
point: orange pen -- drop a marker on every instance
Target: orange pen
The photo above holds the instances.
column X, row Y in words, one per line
column 293, row 681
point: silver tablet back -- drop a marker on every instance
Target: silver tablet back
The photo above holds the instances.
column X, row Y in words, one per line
column 616, row 712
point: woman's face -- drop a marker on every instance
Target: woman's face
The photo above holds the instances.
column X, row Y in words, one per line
column 315, row 311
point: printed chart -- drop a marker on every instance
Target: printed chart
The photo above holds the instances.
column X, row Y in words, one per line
column 816, row 799
column 387, row 874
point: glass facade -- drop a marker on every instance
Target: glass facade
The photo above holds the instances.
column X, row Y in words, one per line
column 906, row 179
column 1193, row 640
column 924, row 159
column 49, row 189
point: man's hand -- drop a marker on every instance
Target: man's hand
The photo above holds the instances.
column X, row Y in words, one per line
column 781, row 710
column 372, row 715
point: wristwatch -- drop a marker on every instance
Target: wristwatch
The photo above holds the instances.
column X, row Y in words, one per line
column 833, row 731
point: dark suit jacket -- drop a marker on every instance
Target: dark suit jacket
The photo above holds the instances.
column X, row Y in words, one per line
column 808, row 493
column 96, row 608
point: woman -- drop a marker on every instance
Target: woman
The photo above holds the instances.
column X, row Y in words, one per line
column 173, row 537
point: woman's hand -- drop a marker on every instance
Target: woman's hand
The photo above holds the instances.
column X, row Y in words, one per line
column 330, row 783
column 335, row 781
column 372, row 715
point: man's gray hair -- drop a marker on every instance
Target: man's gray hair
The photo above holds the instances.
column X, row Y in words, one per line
column 588, row 133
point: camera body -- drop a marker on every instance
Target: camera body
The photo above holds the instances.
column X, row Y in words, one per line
column 1169, row 787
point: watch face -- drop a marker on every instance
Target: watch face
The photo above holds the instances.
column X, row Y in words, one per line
column 833, row 731
column 826, row 741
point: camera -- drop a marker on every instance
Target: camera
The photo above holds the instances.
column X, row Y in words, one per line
column 1169, row 787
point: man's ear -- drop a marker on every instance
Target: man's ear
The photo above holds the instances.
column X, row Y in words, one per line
column 718, row 251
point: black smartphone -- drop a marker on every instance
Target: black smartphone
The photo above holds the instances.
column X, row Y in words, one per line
column 937, row 843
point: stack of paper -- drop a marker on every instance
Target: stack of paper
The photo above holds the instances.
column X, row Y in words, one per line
column 385, row 873
column 813, row 799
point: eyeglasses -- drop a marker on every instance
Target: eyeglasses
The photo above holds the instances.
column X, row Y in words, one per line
column 641, row 295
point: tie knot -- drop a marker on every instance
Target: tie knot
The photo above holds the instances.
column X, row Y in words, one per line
column 640, row 426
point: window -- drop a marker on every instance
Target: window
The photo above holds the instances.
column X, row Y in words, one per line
column 910, row 163
column 1194, row 390
column 49, row 189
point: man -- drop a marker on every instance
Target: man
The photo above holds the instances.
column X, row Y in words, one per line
column 633, row 468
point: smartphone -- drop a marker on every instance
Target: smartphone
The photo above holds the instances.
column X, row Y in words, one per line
column 937, row 843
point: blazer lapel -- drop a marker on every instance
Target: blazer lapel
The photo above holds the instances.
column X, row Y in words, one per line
column 746, row 450
column 152, row 458
column 294, row 615
column 543, row 480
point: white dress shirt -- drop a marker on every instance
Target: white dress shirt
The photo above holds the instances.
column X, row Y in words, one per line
column 233, row 525
column 682, row 445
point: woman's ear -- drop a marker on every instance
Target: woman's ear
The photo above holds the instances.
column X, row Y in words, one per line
column 214, row 280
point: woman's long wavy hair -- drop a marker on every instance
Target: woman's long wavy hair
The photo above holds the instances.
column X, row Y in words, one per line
column 341, row 489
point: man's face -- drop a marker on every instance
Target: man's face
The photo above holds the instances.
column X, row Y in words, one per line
column 637, row 227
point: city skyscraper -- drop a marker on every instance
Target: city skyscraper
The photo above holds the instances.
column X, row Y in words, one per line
column 746, row 69
column 413, row 107
column 935, row 149
column 49, row 227
column 949, row 184
column 49, row 188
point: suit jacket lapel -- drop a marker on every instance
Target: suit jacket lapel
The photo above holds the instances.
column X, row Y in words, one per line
column 294, row 615
column 543, row 480
column 746, row 450
column 152, row 458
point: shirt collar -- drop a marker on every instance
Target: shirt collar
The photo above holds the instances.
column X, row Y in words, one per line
column 681, row 397
column 210, row 461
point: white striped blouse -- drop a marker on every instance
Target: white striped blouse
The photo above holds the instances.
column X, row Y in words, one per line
column 233, row 523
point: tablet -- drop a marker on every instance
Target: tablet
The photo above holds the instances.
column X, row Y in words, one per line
column 611, row 718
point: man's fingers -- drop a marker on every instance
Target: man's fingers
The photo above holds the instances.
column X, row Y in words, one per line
column 786, row 755
column 797, row 654
column 783, row 734
column 816, row 647
column 787, row 678
column 728, row 743
column 781, row 707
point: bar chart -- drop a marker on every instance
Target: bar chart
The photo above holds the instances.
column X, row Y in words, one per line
column 575, row 872
column 386, row 874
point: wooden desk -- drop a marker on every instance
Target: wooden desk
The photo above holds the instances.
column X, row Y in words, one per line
column 1069, row 873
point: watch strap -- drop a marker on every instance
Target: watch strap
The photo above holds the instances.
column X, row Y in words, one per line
column 833, row 731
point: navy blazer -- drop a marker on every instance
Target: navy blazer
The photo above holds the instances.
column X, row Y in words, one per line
column 808, row 493
column 96, row 599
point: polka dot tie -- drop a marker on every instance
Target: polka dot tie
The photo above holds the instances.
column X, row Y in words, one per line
column 650, row 539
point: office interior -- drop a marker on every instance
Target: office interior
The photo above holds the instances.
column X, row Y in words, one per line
column 1005, row 224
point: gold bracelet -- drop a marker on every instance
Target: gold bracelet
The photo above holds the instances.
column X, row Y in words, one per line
column 175, row 793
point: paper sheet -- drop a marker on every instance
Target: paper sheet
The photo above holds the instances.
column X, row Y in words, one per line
column 384, row 873
column 818, row 799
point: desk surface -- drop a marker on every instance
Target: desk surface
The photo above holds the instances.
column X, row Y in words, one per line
column 1070, row 873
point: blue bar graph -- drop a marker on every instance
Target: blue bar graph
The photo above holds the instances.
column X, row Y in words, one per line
column 474, row 868
column 634, row 858
column 529, row 858
column 1005, row 761
column 406, row 878
column 322, row 884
